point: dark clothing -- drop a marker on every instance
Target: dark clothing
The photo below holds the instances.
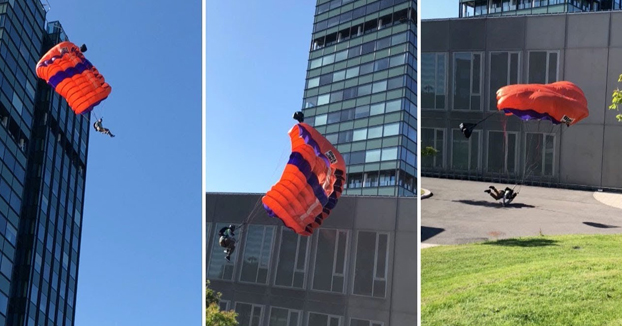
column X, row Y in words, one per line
column 100, row 128
column 227, row 240
column 507, row 195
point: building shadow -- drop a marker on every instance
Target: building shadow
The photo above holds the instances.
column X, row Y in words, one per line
column 526, row 243
column 429, row 232
column 600, row 226
column 485, row 203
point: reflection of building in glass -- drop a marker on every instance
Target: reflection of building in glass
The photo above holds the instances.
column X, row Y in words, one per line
column 361, row 91
column 359, row 268
column 43, row 146
column 465, row 61
column 470, row 8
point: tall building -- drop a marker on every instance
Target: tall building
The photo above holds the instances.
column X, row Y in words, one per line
column 44, row 154
column 358, row 269
column 464, row 62
column 361, row 91
column 470, row 8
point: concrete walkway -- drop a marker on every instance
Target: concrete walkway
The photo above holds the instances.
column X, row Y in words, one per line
column 610, row 199
column 461, row 212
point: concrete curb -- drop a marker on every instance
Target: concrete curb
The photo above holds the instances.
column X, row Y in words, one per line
column 428, row 245
column 426, row 193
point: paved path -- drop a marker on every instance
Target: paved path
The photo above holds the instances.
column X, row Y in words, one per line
column 461, row 212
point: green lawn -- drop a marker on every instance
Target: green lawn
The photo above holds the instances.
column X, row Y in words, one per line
column 567, row 280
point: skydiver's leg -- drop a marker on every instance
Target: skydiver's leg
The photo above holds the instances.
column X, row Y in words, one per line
column 494, row 193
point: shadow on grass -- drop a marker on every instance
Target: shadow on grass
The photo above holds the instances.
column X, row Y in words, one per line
column 485, row 203
column 429, row 232
column 523, row 243
column 600, row 226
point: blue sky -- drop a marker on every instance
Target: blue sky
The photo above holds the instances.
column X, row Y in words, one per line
column 439, row 9
column 257, row 54
column 140, row 261
column 256, row 68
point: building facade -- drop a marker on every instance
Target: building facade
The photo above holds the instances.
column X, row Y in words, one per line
column 471, row 8
column 464, row 62
column 44, row 153
column 358, row 269
column 361, row 91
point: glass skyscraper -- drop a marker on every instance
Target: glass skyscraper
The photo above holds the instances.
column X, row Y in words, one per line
column 361, row 91
column 44, row 152
column 469, row 8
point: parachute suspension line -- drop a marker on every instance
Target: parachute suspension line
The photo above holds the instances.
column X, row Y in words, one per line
column 256, row 209
column 486, row 118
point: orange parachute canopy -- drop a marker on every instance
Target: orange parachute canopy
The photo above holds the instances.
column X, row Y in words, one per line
column 66, row 69
column 559, row 102
column 311, row 183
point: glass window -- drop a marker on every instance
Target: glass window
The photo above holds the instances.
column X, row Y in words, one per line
column 339, row 75
column 395, row 82
column 333, row 117
column 389, row 154
column 393, row 106
column 362, row 322
column 333, row 138
column 330, row 261
column 391, row 129
column 372, row 156
column 336, row 96
column 315, row 63
column 359, row 134
column 539, row 154
column 248, row 314
column 504, row 67
column 364, row 90
column 366, row 68
column 357, row 157
column 387, row 178
column 398, row 39
column 374, row 132
column 320, row 119
column 345, row 136
column 465, row 151
column 347, row 114
column 323, row 99
column 543, row 67
column 502, row 152
column 354, row 52
column 310, row 102
column 284, row 317
column 368, row 47
column 257, row 253
column 342, row 55
column 370, row 273
column 376, row 109
column 318, row 319
column 291, row 270
column 381, row 64
column 380, row 86
column 383, row 43
column 352, row 72
column 328, row 59
column 349, row 93
column 467, row 81
column 326, row 79
column 397, row 60
column 362, row 111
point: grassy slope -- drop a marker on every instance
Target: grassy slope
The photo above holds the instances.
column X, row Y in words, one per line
column 569, row 280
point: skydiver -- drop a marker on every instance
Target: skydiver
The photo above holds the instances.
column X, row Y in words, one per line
column 100, row 128
column 227, row 240
column 506, row 195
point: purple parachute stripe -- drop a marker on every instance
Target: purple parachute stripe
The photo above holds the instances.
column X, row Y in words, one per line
column 531, row 115
column 311, row 142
